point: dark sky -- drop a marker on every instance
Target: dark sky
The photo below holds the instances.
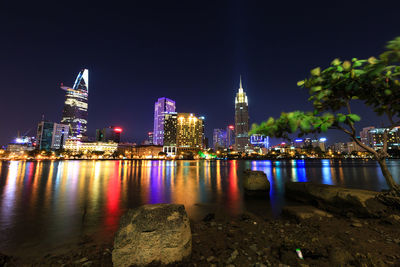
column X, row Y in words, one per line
column 190, row 51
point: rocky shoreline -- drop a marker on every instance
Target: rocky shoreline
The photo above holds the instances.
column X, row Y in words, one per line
column 342, row 227
column 250, row 240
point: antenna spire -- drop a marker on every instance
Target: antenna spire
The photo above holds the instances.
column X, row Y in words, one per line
column 240, row 83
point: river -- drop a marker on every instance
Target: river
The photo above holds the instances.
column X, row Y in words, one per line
column 49, row 204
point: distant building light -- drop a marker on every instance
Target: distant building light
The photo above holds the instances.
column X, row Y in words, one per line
column 298, row 140
column 322, row 139
column 118, row 130
column 19, row 140
column 231, row 127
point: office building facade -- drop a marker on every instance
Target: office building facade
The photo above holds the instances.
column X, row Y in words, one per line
column 170, row 133
column 111, row 133
column 75, row 113
column 219, row 138
column 162, row 106
column 230, row 136
column 51, row 136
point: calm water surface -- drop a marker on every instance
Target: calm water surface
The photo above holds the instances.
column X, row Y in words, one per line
column 46, row 205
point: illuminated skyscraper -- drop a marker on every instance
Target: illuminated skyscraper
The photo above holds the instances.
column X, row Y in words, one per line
column 241, row 119
column 190, row 131
column 75, row 111
column 162, row 106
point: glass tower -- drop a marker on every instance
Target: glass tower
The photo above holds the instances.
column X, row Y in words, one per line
column 75, row 111
column 241, row 119
column 162, row 106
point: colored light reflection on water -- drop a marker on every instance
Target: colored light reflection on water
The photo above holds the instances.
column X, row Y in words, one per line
column 45, row 203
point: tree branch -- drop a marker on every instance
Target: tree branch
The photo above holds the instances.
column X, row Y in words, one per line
column 342, row 129
column 362, row 145
column 390, row 117
column 348, row 106
column 354, row 137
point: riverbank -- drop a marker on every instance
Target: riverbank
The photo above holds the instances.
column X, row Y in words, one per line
column 251, row 240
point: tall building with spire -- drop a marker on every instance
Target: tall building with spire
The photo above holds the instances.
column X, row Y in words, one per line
column 241, row 119
column 75, row 113
column 161, row 107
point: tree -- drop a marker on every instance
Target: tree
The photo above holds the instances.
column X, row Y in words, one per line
column 374, row 82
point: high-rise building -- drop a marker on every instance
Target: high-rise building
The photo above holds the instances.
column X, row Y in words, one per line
column 51, row 136
column 230, row 136
column 170, row 131
column 241, row 119
column 190, row 131
column 109, row 134
column 162, row 106
column 376, row 138
column 75, row 113
column 365, row 137
column 219, row 138
column 150, row 137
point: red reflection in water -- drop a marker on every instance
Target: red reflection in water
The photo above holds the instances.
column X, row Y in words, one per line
column 113, row 210
column 233, row 190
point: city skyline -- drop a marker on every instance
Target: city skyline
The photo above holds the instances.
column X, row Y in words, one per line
column 133, row 60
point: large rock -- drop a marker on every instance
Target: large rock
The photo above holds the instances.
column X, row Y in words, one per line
column 255, row 183
column 158, row 234
column 337, row 199
column 301, row 213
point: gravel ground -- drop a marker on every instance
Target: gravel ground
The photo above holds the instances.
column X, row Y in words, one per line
column 251, row 240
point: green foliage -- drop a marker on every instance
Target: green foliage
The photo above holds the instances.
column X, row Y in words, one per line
column 374, row 82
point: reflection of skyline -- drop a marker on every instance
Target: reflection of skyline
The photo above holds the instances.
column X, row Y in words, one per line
column 56, row 198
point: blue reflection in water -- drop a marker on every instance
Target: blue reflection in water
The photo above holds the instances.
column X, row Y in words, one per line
column 265, row 166
column 326, row 171
column 301, row 170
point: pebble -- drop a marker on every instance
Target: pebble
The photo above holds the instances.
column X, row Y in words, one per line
column 356, row 224
column 233, row 256
column 396, row 240
column 211, row 258
column 219, row 228
column 82, row 260
column 88, row 263
column 253, row 247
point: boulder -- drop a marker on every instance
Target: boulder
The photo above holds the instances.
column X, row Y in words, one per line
column 256, row 183
column 337, row 199
column 157, row 234
column 301, row 213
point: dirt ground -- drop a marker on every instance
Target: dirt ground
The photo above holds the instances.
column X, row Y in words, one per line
column 250, row 240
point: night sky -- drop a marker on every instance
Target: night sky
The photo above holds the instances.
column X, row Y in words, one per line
column 190, row 51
